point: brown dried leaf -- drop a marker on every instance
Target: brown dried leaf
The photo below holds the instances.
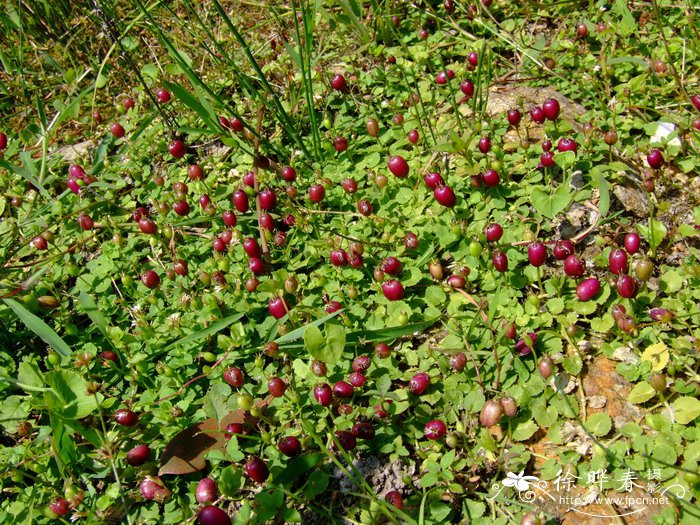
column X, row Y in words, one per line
column 186, row 452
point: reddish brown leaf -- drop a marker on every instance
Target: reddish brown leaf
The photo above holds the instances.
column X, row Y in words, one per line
column 186, row 452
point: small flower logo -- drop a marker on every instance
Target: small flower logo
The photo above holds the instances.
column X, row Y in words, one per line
column 519, row 482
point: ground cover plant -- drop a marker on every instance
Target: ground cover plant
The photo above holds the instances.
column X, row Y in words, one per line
column 349, row 262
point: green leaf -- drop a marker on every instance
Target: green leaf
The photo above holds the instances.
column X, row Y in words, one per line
column 524, row 430
column 604, row 200
column 317, row 484
column 573, row 364
column 39, row 327
column 13, row 410
column 552, row 204
column 671, row 281
column 654, row 232
column 298, row 466
column 68, row 396
column 314, row 341
column 599, row 424
column 335, row 343
column 641, row 393
column 686, row 409
column 230, row 481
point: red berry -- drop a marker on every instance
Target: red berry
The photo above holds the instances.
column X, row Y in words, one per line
column 398, row 166
column 316, row 193
column 85, row 221
column 240, row 201
column 211, row 515
column 236, row 124
column 180, row 267
column 332, row 306
column 435, row 429
column 338, row 82
column 491, row 178
column 547, row 159
column 346, row 439
column 537, row 114
column 524, row 345
column 177, row 149
column 493, row 232
column 574, row 267
column 617, row 261
column 340, row 144
column 163, row 95
column 195, row 172
column 150, row 279
column 257, row 266
column 289, row 174
column 323, row 394
column 251, row 247
column 445, row 195
column 229, row 218
column 256, row 469
column 588, row 289
column 419, row 383
column 117, row 130
column 536, row 253
column 206, row 490
column 343, row 390
column 413, row 136
column 357, row 379
column 562, row 249
column 551, row 109
column 138, row 455
column 128, row 103
column 126, row 417
column 567, row 144
column 467, row 88
column 60, row 506
column 632, row 242
column 363, row 430
column 181, row 208
column 433, row 180
column 393, row 290
column 411, row 241
column 491, row 413
column 458, row 361
column 365, row 207
column 234, row 377
column 514, row 117
column 626, row 286
column 655, row 159
column 484, row 144
column 500, row 261
column 392, row 266
column 349, row 185
column 147, row 226
column 290, row 446
column 278, row 307
column 394, row 498
column 277, row 387
column 3, row 141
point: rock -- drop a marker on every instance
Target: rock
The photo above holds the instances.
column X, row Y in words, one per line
column 632, row 199
column 597, row 401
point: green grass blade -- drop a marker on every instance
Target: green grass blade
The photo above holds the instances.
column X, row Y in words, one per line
column 39, row 327
column 94, row 313
column 201, row 334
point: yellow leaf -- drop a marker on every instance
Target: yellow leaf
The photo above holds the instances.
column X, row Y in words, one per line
column 657, row 355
